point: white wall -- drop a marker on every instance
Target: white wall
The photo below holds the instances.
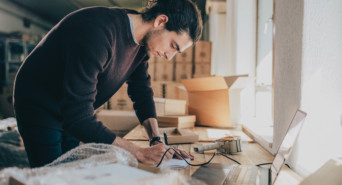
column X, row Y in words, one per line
column 11, row 19
column 321, row 95
column 308, row 75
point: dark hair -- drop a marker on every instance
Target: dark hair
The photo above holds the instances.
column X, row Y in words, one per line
column 183, row 16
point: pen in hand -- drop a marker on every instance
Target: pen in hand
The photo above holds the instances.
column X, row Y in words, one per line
column 165, row 138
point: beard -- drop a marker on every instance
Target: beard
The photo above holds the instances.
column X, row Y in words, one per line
column 147, row 37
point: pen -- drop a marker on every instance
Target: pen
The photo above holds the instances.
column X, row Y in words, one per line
column 165, row 138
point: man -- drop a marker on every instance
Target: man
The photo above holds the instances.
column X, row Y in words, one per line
column 83, row 61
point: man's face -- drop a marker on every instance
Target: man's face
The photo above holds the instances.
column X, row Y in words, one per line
column 164, row 43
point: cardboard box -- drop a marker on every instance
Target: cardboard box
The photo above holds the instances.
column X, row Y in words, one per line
column 203, row 52
column 164, row 71
column 120, row 103
column 120, row 100
column 102, row 107
column 158, row 88
column 120, row 122
column 208, row 99
column 202, row 69
column 201, row 76
column 187, row 121
column 174, row 90
column 170, row 107
column 176, row 135
column 186, row 56
column 169, row 90
column 183, row 71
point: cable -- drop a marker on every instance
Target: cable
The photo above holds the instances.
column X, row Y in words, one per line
column 203, row 164
column 228, row 157
column 258, row 165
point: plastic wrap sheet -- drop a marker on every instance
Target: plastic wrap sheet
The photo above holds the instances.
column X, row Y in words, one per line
column 8, row 123
column 94, row 154
column 88, row 156
column 11, row 153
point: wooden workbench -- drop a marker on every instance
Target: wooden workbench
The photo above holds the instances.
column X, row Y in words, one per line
column 252, row 153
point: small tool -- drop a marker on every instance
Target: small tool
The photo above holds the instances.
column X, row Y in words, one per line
column 229, row 145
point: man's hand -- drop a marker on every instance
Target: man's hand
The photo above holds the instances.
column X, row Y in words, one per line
column 184, row 154
column 151, row 127
column 153, row 154
column 150, row 155
column 173, row 154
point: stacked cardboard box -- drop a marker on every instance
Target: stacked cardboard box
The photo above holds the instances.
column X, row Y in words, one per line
column 175, row 90
column 170, row 107
column 202, row 60
column 183, row 65
column 120, row 122
column 170, row 90
column 187, row 121
column 163, row 69
column 120, row 100
column 158, row 88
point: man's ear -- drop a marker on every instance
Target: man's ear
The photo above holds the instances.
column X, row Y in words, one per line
column 160, row 21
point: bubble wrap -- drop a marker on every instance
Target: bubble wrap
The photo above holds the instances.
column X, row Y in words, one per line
column 8, row 123
column 87, row 156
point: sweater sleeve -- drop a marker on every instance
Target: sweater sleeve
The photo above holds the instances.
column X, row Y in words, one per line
column 86, row 50
column 141, row 93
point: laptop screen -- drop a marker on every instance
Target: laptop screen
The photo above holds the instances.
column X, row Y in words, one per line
column 285, row 148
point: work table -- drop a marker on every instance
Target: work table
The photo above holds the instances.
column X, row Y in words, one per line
column 252, row 153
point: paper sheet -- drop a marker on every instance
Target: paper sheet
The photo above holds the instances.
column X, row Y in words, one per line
column 175, row 163
column 115, row 174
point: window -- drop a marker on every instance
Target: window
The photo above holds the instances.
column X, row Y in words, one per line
column 248, row 49
column 261, row 124
column 264, row 63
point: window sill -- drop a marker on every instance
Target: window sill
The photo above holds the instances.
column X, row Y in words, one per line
column 260, row 134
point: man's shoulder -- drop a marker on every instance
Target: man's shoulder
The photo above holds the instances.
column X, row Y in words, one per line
column 99, row 17
column 96, row 11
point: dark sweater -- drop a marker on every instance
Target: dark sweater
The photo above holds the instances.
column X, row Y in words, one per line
column 76, row 68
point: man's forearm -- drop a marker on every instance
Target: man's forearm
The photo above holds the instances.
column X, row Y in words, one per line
column 151, row 127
